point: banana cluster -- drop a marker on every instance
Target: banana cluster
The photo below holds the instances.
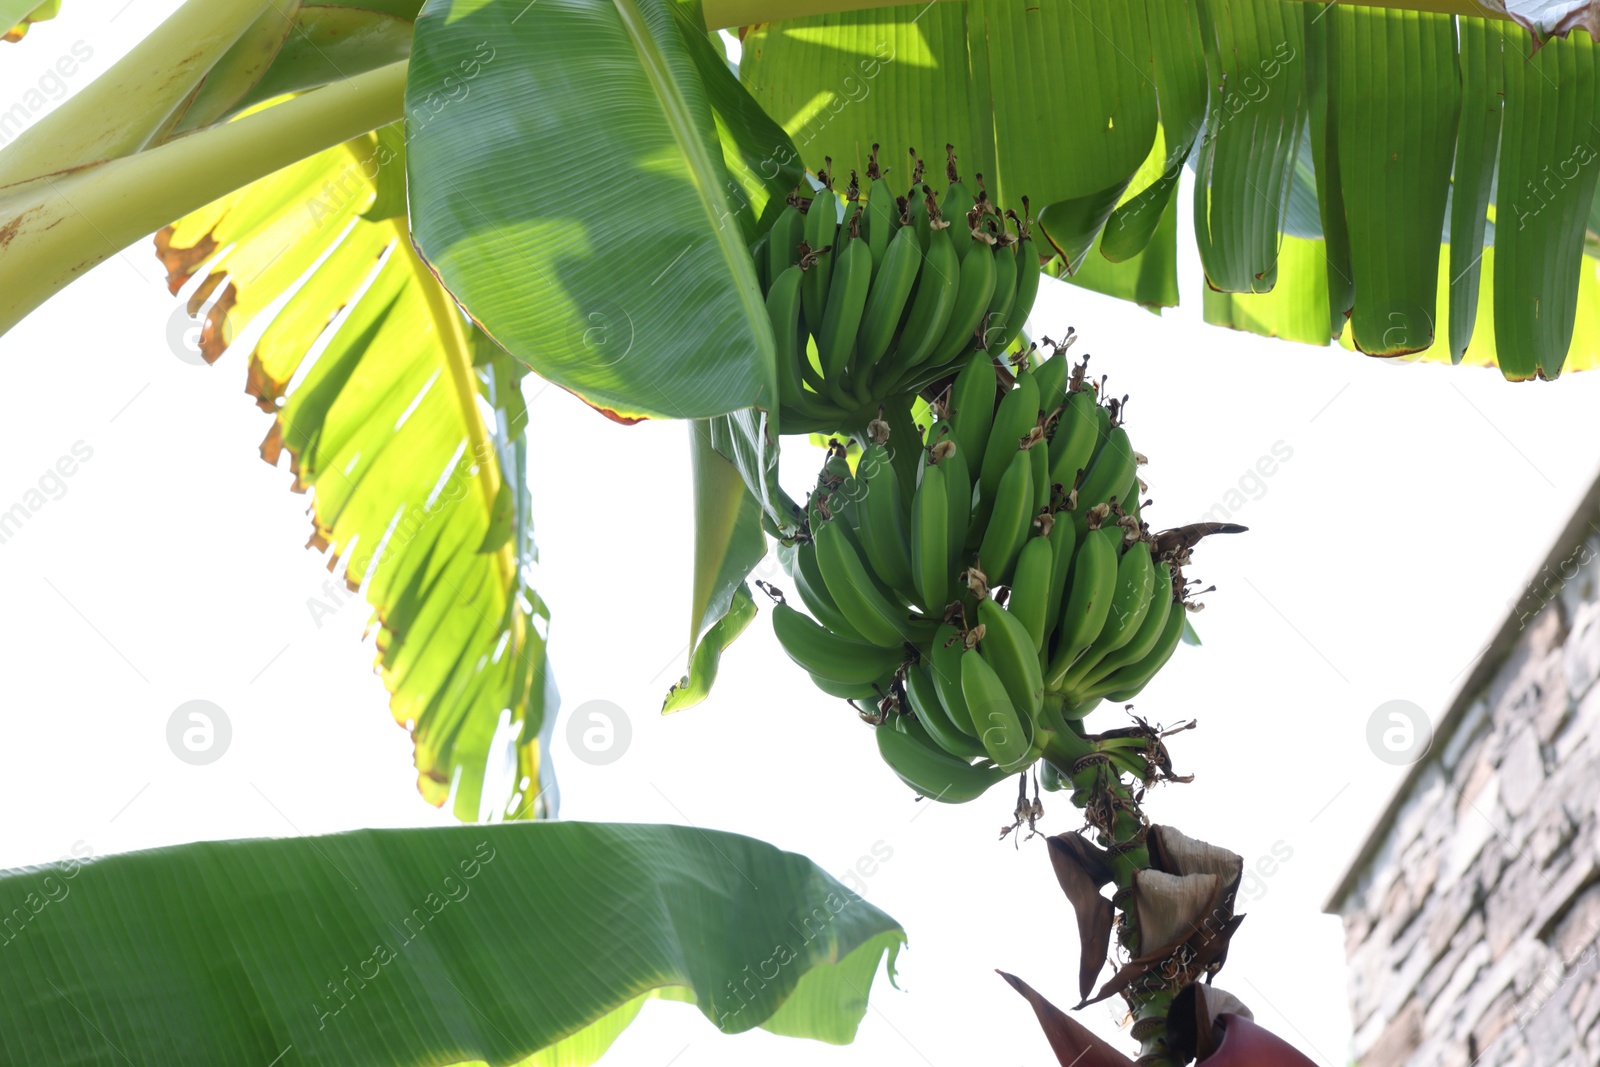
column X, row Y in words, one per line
column 892, row 298
column 976, row 614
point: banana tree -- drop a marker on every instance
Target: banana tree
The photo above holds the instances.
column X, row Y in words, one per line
column 471, row 191
column 426, row 199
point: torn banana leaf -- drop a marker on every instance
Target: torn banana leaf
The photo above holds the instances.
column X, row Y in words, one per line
column 406, row 425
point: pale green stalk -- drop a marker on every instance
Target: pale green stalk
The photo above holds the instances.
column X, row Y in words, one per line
column 118, row 113
column 54, row 229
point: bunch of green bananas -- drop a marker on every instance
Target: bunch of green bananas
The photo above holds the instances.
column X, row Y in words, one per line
column 976, row 616
column 891, row 296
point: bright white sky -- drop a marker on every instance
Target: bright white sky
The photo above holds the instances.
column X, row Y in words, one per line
column 1381, row 558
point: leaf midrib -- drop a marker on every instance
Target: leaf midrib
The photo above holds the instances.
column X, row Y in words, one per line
column 457, row 358
column 681, row 123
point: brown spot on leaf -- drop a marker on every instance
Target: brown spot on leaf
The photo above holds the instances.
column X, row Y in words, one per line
column 272, row 444
column 214, row 334
column 625, row 420
column 11, row 229
column 266, row 389
column 181, row 262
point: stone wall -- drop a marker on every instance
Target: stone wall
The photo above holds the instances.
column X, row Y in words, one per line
column 1471, row 921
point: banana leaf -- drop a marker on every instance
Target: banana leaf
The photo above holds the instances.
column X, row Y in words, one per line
column 406, row 425
column 1293, row 89
column 421, row 947
column 591, row 234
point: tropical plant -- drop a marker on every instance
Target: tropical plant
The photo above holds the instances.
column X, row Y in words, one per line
column 415, row 202
column 535, row 270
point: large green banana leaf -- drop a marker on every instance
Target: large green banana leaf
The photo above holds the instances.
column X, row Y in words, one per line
column 425, row 947
column 568, row 185
column 1281, row 81
column 407, row 427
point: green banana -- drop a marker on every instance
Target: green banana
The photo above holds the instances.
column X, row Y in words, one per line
column 1051, row 718
column 1004, row 734
column 883, row 216
column 855, row 490
column 1051, row 375
column 1130, row 602
column 937, row 285
column 1007, row 646
column 1094, row 581
column 1102, row 414
column 1128, row 499
column 1127, row 682
column 819, row 651
column 1076, row 438
column 905, row 444
column 1028, row 272
column 867, row 691
column 882, row 530
column 958, row 494
column 1109, row 474
column 1039, row 459
column 930, row 540
column 948, row 647
column 918, row 199
column 847, row 299
column 943, row 450
column 833, row 486
column 1049, row 778
column 932, row 715
column 1144, row 640
column 971, row 409
column 758, row 254
column 1030, row 602
column 814, row 593
column 811, row 364
column 783, row 308
column 886, row 300
column 1008, row 520
column 1063, row 538
column 783, row 240
column 957, row 203
column 972, row 302
column 1005, row 291
column 1017, row 414
column 852, row 588
column 821, row 233
column 935, row 774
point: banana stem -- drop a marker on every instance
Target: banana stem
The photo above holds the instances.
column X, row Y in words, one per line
column 118, row 113
column 61, row 225
column 1112, row 807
